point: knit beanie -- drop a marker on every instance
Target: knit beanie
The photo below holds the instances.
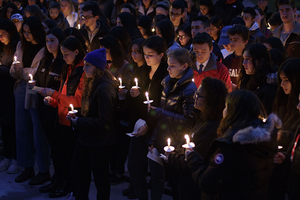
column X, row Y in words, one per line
column 97, row 58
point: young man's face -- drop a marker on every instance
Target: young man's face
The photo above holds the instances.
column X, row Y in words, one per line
column 175, row 15
column 248, row 19
column 286, row 13
column 202, row 52
column 297, row 16
column 89, row 19
column 237, row 43
column 197, row 27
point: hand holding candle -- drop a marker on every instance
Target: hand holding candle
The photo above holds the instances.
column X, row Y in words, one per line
column 169, row 148
column 72, row 111
column 188, row 144
column 31, row 79
column 148, row 100
column 136, row 83
column 121, row 86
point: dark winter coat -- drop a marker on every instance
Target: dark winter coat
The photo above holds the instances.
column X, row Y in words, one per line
column 175, row 112
column 95, row 44
column 256, row 36
column 96, row 127
column 228, row 11
column 240, row 162
column 7, row 99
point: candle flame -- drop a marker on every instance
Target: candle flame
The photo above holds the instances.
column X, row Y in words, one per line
column 31, row 77
column 72, row 107
column 187, row 136
column 169, row 141
column 15, row 58
column 193, row 80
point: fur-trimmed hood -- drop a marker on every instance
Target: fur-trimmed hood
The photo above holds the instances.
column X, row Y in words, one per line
column 261, row 133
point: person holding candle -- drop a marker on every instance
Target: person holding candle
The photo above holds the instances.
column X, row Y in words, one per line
column 240, row 162
column 209, row 105
column 70, row 92
column 175, row 117
column 119, row 68
column 150, row 77
column 96, row 128
column 29, row 132
column 10, row 38
column 48, row 75
column 285, row 105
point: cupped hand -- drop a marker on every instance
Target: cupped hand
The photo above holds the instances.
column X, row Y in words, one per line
column 134, row 92
column 279, row 158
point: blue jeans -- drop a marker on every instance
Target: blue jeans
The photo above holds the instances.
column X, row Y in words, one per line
column 30, row 134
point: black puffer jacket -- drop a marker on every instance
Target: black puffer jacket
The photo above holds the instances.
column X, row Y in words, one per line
column 240, row 163
column 175, row 113
column 96, row 127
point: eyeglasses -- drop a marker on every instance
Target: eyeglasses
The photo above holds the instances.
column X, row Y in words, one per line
column 181, row 37
column 86, row 17
column 197, row 95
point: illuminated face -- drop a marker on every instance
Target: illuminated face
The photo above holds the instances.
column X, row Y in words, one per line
column 285, row 83
column 136, row 55
column 286, row 13
column 64, row 6
column 152, row 57
column 68, row 55
column 27, row 34
column 175, row 69
column 237, row 43
column 89, row 19
column 4, row 37
column 202, row 52
column 183, row 38
column 53, row 12
column 248, row 20
column 204, row 9
column 52, row 43
column 197, row 27
column 89, row 69
column 248, row 64
column 214, row 31
column 175, row 15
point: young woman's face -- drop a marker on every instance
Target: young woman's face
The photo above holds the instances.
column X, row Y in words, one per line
column 52, row 43
column 27, row 34
column 64, row 6
column 247, row 63
column 200, row 100
column 4, row 37
column 151, row 56
column 183, row 38
column 175, row 69
column 285, row 83
column 136, row 55
column 68, row 55
column 214, row 31
column 204, row 9
column 53, row 12
column 89, row 69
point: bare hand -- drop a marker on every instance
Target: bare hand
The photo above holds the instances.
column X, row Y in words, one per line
column 279, row 158
column 47, row 101
column 46, row 92
column 141, row 131
column 134, row 92
column 123, row 92
column 71, row 116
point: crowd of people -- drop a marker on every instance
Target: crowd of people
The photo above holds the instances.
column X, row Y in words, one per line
column 202, row 96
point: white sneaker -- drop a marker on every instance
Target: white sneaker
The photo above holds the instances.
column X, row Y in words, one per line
column 4, row 164
column 13, row 168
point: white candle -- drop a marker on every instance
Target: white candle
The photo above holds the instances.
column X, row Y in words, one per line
column 15, row 58
column 147, row 96
column 169, row 143
column 78, row 26
column 120, row 82
column 72, row 107
column 31, row 77
column 136, row 82
column 187, row 139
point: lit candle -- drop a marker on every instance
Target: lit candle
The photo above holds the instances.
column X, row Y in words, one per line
column 147, row 96
column 30, row 78
column 264, row 120
column 136, row 82
column 15, row 58
column 120, row 82
column 187, row 139
column 193, row 80
column 153, row 29
column 78, row 26
column 72, row 107
column 169, row 143
column 280, row 147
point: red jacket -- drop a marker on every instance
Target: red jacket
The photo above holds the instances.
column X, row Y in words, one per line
column 213, row 69
column 63, row 101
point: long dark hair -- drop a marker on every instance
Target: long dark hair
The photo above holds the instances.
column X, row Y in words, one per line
column 138, row 42
column 74, row 44
column 167, row 30
column 215, row 93
column 157, row 44
column 116, row 52
column 34, row 10
column 73, row 32
column 129, row 23
column 262, row 65
column 14, row 36
column 285, row 104
column 123, row 37
column 37, row 31
column 242, row 107
column 4, row 11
